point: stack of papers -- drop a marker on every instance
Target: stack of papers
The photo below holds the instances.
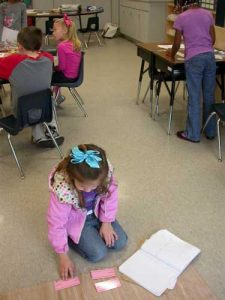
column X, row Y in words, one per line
column 158, row 263
column 9, row 35
column 69, row 7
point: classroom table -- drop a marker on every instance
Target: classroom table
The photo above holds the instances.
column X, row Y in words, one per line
column 51, row 15
column 157, row 59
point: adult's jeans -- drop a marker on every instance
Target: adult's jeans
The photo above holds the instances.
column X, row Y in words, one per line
column 91, row 246
column 201, row 82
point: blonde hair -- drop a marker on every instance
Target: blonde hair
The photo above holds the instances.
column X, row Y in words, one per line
column 71, row 33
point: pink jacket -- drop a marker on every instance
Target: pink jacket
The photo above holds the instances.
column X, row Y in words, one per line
column 65, row 219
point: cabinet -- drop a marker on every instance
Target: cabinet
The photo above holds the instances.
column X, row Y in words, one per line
column 143, row 20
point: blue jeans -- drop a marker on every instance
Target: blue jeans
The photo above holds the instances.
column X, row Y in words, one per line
column 201, row 81
column 91, row 246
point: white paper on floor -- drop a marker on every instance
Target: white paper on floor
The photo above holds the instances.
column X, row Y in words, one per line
column 160, row 260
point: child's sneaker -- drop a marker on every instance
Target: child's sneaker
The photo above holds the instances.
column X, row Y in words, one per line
column 48, row 142
column 59, row 100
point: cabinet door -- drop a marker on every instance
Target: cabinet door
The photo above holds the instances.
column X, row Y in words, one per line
column 123, row 20
column 133, row 23
column 42, row 4
column 57, row 3
column 128, row 21
column 143, row 26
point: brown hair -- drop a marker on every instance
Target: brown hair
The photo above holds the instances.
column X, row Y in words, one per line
column 83, row 172
column 71, row 33
column 30, row 38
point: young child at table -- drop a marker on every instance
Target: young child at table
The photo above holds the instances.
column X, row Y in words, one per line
column 69, row 53
column 29, row 71
column 83, row 206
column 196, row 25
column 13, row 15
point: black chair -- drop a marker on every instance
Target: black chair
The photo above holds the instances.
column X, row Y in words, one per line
column 48, row 30
column 159, row 78
column 32, row 109
column 2, row 82
column 92, row 27
column 179, row 75
column 72, row 85
column 218, row 110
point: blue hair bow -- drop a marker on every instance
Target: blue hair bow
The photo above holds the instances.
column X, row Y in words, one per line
column 91, row 157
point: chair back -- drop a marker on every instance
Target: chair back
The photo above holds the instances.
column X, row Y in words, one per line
column 34, row 108
column 93, row 24
column 49, row 27
column 80, row 77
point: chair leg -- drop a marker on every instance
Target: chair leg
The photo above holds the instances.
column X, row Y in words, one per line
column 184, row 90
column 81, row 100
column 46, row 40
column 178, row 84
column 157, row 92
column 170, row 119
column 89, row 37
column 15, row 157
column 55, row 113
column 76, row 98
column 54, row 141
column 99, row 41
column 138, row 92
column 219, row 140
column 207, row 121
column 146, row 93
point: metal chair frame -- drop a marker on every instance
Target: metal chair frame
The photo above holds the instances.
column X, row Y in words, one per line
column 16, row 125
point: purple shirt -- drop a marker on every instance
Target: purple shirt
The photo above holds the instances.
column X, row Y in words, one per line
column 89, row 200
column 194, row 25
column 69, row 60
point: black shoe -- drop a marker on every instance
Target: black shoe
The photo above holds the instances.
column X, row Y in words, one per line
column 210, row 137
column 182, row 135
column 48, row 143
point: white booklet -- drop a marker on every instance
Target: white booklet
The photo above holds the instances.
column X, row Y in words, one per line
column 9, row 35
column 159, row 261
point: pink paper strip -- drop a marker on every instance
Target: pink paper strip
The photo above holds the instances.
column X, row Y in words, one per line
column 107, row 285
column 63, row 284
column 104, row 273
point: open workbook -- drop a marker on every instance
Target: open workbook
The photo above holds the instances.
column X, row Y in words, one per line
column 160, row 260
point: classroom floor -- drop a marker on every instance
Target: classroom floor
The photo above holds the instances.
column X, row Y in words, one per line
column 163, row 182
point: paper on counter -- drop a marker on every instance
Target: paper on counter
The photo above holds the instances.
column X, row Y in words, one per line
column 170, row 46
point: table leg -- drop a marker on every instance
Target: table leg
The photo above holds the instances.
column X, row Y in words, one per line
column 80, row 22
column 151, row 74
column 222, row 87
column 171, row 103
column 140, row 80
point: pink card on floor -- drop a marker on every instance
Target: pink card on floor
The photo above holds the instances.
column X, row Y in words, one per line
column 104, row 273
column 107, row 285
column 64, row 284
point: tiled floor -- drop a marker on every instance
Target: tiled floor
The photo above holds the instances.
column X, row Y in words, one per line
column 163, row 182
